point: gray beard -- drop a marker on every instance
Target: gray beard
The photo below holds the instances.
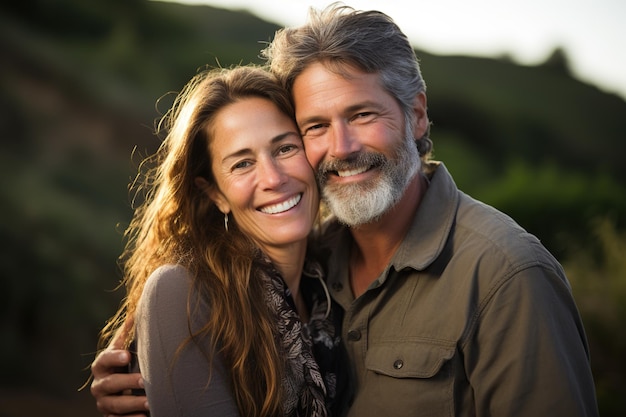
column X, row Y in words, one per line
column 366, row 202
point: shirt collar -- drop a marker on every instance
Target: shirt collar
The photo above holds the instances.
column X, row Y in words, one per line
column 432, row 222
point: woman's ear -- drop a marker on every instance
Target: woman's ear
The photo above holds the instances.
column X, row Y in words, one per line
column 213, row 193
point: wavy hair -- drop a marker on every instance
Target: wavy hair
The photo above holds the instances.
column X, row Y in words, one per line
column 178, row 223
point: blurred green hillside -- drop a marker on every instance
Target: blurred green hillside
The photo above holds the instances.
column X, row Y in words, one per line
column 82, row 84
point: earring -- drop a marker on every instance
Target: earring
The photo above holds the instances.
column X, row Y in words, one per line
column 226, row 221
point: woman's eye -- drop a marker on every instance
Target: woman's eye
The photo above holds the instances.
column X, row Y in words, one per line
column 241, row 165
column 286, row 149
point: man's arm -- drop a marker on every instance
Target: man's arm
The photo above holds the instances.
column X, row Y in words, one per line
column 529, row 356
column 111, row 386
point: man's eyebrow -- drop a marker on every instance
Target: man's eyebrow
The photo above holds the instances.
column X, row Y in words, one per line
column 310, row 120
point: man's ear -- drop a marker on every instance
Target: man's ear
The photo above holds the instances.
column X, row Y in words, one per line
column 213, row 193
column 421, row 116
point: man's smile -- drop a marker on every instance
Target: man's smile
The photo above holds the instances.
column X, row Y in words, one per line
column 351, row 172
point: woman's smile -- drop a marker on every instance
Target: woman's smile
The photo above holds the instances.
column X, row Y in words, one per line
column 283, row 206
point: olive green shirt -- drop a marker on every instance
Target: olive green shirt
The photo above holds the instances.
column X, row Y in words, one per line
column 472, row 317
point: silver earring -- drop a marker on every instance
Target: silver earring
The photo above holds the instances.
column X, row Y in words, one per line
column 226, row 221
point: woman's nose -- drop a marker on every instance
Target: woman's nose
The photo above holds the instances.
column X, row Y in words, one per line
column 272, row 174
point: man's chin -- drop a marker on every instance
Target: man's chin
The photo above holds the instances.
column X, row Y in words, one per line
column 354, row 212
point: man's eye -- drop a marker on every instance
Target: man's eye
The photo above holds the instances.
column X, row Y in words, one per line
column 363, row 115
column 314, row 130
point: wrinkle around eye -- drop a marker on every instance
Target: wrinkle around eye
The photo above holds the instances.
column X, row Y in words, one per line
column 314, row 131
column 241, row 165
column 287, row 150
column 364, row 117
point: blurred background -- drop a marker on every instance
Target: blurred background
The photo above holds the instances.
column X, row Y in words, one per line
column 82, row 84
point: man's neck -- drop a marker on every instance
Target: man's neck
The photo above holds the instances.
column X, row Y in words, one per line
column 375, row 243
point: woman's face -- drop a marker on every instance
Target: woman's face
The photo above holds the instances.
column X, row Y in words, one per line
column 263, row 177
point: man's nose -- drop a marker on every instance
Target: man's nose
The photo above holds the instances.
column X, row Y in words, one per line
column 343, row 142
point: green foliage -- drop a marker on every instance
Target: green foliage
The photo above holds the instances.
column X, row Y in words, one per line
column 537, row 114
column 554, row 203
column 598, row 281
column 59, row 232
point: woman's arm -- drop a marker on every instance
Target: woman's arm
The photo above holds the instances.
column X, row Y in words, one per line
column 177, row 385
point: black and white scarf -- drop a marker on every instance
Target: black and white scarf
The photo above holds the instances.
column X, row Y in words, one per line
column 309, row 349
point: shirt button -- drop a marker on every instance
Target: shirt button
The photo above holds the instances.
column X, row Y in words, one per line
column 337, row 286
column 354, row 335
column 398, row 364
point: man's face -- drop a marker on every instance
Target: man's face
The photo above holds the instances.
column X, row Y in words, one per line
column 354, row 135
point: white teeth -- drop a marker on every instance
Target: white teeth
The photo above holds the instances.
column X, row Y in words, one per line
column 284, row 206
column 351, row 172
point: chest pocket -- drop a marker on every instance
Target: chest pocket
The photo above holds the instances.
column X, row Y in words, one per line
column 405, row 378
column 408, row 359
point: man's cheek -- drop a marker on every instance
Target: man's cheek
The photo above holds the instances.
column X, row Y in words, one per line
column 315, row 151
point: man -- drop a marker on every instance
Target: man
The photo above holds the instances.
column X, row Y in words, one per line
column 451, row 309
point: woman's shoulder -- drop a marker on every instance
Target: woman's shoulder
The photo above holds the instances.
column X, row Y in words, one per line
column 168, row 277
column 168, row 285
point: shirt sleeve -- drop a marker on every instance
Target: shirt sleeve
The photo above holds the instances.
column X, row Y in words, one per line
column 529, row 354
column 178, row 383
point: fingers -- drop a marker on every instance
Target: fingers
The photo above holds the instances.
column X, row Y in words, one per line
column 109, row 361
column 122, row 405
column 108, row 383
column 107, row 392
column 112, row 386
column 115, row 384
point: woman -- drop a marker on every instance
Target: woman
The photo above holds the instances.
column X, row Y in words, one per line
column 229, row 316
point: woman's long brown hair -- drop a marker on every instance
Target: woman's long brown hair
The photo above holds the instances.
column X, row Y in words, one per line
column 177, row 223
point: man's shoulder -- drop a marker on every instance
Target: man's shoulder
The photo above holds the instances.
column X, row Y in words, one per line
column 486, row 229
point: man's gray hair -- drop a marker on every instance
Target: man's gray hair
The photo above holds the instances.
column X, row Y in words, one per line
column 341, row 37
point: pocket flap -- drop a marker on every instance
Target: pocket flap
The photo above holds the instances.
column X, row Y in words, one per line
column 408, row 359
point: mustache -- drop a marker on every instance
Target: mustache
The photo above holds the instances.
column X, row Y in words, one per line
column 359, row 160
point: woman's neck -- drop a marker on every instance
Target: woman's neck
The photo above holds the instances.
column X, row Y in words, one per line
column 289, row 260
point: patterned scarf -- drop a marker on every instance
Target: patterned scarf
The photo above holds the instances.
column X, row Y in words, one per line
column 309, row 387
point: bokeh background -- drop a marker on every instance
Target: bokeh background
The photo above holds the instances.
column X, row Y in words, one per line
column 82, row 83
